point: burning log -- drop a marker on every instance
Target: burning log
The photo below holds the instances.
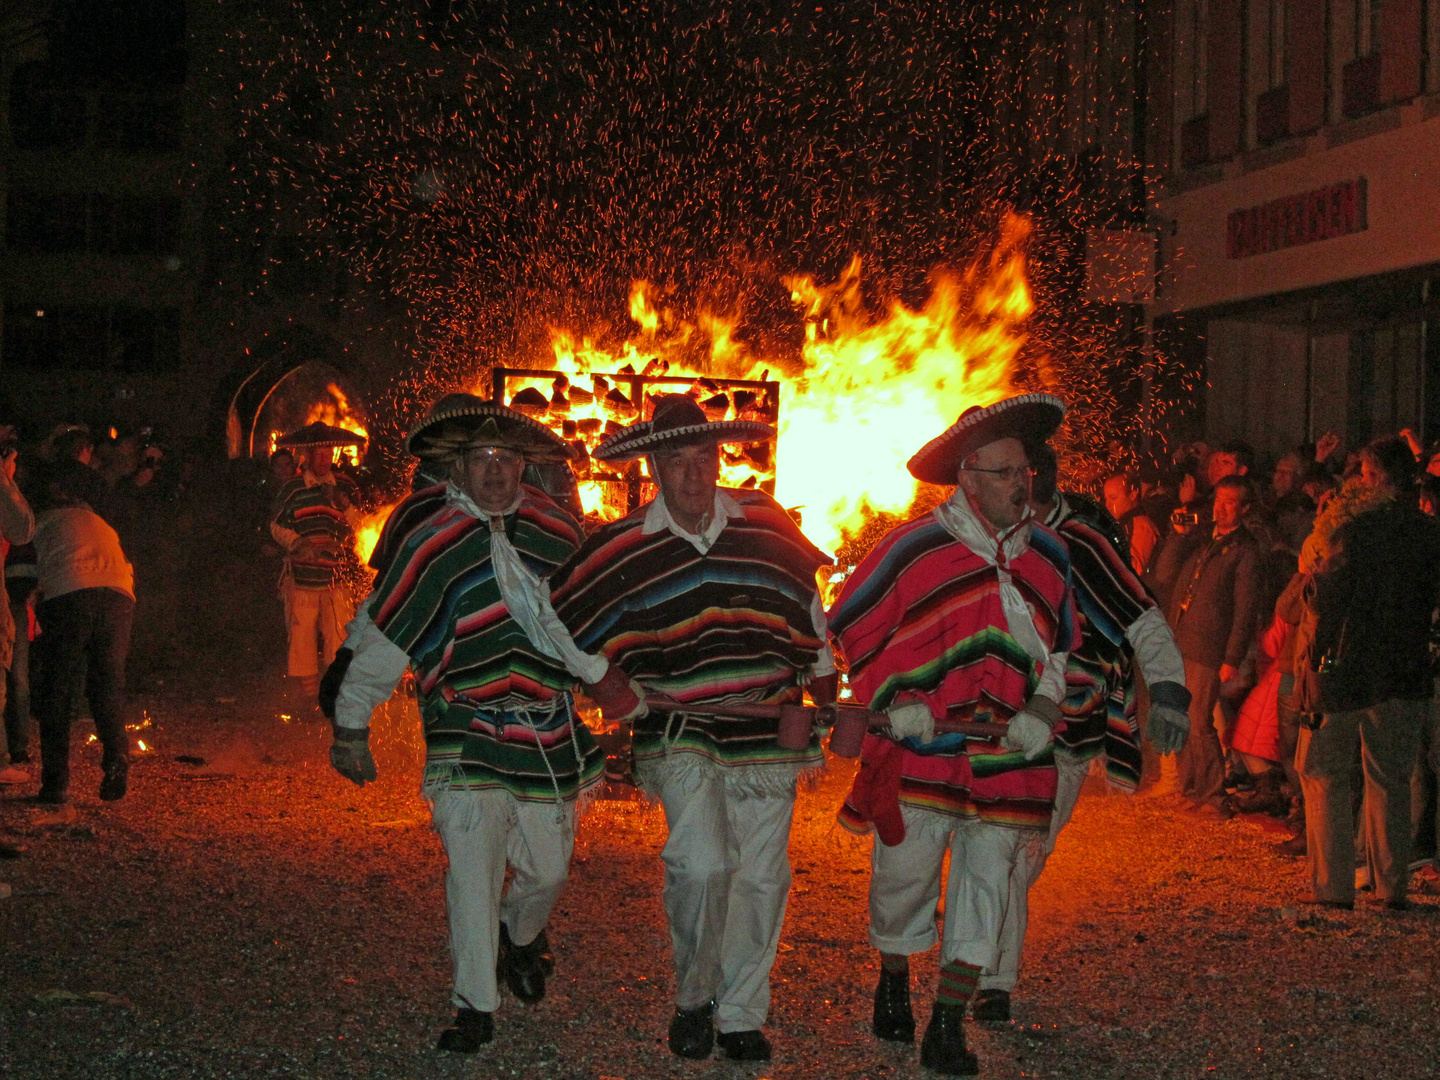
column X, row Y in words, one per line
column 716, row 407
column 618, row 405
column 530, row 401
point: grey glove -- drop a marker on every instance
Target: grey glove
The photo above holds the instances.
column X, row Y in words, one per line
column 350, row 755
column 1168, row 728
column 1029, row 734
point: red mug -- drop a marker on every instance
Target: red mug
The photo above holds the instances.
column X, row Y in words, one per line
column 795, row 727
column 848, row 733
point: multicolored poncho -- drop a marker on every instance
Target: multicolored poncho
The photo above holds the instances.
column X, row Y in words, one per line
column 496, row 711
column 734, row 625
column 313, row 513
column 922, row 617
column 1099, row 705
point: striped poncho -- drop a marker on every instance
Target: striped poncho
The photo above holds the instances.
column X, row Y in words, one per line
column 922, row 618
column 312, row 512
column 410, row 512
column 1099, row 705
column 735, row 625
column 496, row 710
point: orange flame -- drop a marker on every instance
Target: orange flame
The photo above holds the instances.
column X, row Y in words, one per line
column 866, row 397
column 367, row 531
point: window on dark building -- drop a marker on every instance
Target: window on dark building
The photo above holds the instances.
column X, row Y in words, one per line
column 48, row 223
column 118, row 338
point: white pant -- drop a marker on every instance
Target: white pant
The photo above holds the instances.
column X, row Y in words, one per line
column 1072, row 773
column 481, row 830
column 309, row 610
column 905, row 886
column 727, row 877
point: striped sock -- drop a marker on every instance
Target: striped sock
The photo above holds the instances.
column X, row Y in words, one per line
column 958, row 981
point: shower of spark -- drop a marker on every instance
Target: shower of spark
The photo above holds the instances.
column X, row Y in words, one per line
column 490, row 179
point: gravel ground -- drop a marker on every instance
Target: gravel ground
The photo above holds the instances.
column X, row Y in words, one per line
column 249, row 914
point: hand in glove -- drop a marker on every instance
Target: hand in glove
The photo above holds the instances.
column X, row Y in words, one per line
column 911, row 720
column 1168, row 728
column 1027, row 733
column 620, row 697
column 350, row 755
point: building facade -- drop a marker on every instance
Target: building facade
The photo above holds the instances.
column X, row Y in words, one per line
column 1295, row 144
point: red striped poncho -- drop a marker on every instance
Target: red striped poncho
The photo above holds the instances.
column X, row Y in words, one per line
column 921, row 618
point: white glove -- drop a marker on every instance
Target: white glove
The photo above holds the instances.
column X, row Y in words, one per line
column 1168, row 728
column 1027, row 733
column 911, row 720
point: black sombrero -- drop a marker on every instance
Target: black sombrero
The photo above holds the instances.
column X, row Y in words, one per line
column 1029, row 416
column 460, row 422
column 678, row 421
column 319, row 434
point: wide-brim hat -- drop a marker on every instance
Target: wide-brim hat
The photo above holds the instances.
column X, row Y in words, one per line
column 678, row 421
column 460, row 422
column 319, row 434
column 1027, row 417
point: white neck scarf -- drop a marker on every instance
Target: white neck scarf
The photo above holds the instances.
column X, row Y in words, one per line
column 526, row 595
column 961, row 521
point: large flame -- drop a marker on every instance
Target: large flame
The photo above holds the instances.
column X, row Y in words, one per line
column 866, row 397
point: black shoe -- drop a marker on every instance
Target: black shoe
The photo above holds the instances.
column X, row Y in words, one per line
column 943, row 1048
column 524, row 967
column 472, row 1030
column 51, row 796
column 691, row 1033
column 893, row 1019
column 992, row 1007
column 744, row 1045
column 113, row 784
column 1312, row 900
column 19, row 757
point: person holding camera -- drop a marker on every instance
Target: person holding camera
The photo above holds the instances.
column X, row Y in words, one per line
column 1215, row 593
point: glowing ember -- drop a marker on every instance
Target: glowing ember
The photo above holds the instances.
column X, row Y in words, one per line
column 141, row 744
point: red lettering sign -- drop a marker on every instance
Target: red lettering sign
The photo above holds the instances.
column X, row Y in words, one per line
column 1337, row 210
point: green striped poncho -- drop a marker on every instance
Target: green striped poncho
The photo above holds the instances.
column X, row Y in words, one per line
column 497, row 712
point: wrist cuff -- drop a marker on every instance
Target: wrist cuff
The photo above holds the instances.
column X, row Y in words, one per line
column 1044, row 709
column 1170, row 694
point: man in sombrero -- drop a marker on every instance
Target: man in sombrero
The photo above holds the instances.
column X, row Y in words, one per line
column 706, row 596
column 460, row 602
column 311, row 521
column 965, row 613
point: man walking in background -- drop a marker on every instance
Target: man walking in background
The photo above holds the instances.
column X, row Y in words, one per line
column 311, row 521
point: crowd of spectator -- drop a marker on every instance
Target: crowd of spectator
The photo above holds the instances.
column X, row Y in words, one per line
column 1304, row 609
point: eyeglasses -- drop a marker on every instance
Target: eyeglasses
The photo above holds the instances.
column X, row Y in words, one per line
column 1009, row 474
column 486, row 455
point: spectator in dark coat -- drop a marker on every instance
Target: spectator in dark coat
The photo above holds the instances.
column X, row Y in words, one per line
column 1212, row 604
column 1372, row 603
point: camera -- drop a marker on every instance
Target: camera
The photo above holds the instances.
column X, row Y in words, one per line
column 1183, row 517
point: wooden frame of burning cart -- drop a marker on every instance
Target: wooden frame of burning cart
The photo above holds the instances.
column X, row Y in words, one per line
column 629, row 474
